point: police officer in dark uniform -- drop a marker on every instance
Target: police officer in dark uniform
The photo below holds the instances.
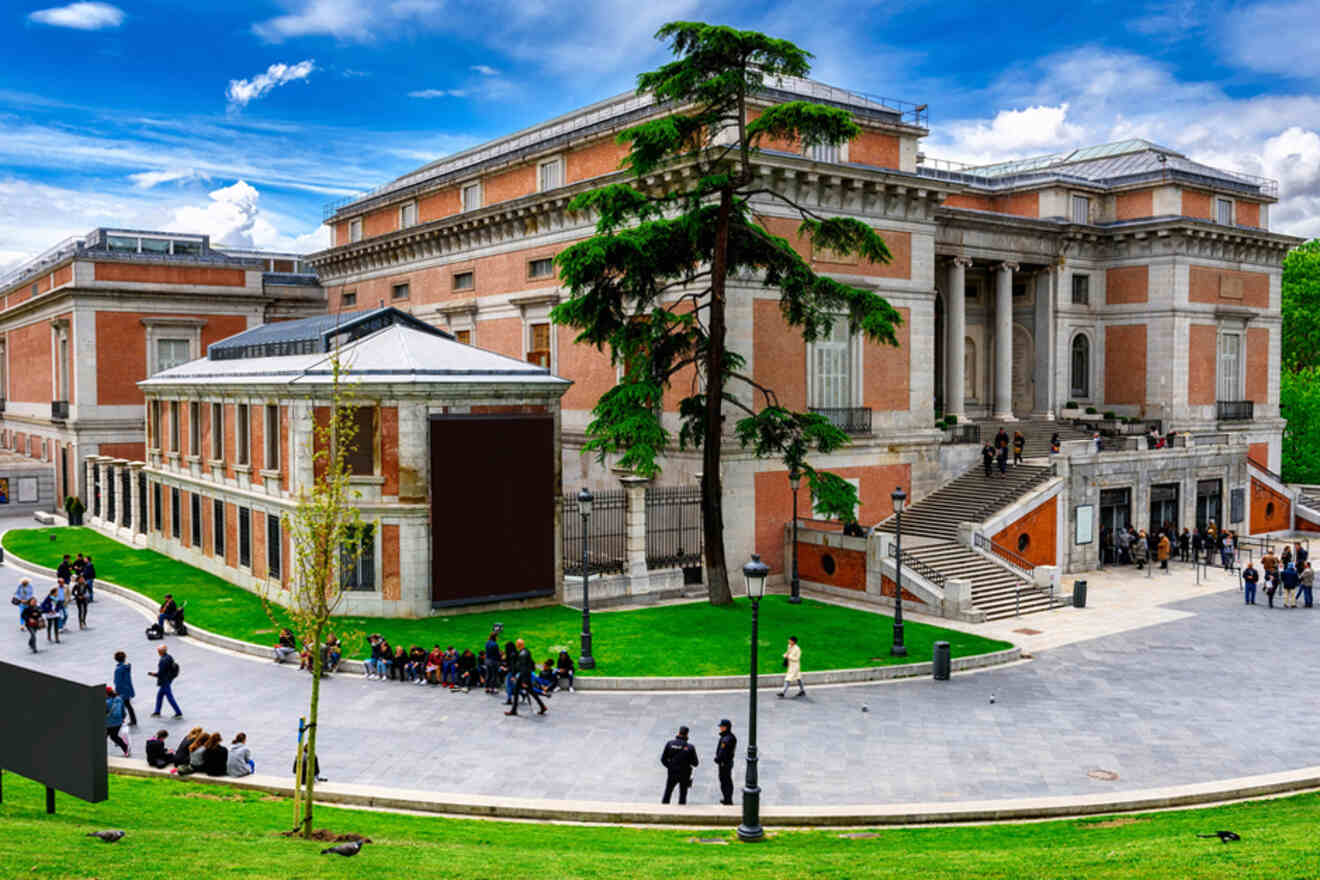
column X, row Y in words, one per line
column 724, row 754
column 678, row 758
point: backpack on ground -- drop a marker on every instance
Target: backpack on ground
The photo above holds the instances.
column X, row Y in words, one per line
column 155, row 632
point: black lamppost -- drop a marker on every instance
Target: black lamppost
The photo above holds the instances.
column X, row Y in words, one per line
column 586, row 661
column 794, row 480
column 897, row 648
column 750, row 831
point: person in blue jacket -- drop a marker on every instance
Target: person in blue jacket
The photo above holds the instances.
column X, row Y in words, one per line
column 114, row 719
column 124, row 685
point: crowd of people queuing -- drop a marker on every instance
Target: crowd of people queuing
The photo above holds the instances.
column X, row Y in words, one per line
column 1132, row 546
column 75, row 581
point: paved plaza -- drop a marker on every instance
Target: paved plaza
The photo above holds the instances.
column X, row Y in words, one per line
column 1207, row 689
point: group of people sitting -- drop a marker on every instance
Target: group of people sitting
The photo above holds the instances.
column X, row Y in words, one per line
column 448, row 668
column 286, row 646
column 1289, row 571
column 201, row 752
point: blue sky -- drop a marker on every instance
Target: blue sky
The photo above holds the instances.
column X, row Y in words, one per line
column 242, row 119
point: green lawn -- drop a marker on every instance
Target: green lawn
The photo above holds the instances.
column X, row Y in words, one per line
column 689, row 639
column 177, row 829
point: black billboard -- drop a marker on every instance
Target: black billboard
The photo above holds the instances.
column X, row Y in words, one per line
column 52, row 731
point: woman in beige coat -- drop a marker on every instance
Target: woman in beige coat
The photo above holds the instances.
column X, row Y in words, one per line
column 793, row 668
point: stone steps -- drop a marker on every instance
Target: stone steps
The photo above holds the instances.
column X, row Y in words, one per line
column 994, row 588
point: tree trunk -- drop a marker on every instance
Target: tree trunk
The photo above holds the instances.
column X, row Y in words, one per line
column 712, row 506
column 309, row 765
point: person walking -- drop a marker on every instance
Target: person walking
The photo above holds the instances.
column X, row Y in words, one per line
column 166, row 672
column 1226, row 551
column 492, row 655
column 51, row 614
column 79, row 593
column 1002, row 458
column 1163, row 552
column 64, row 571
column 1019, row 444
column 1306, row 581
column 988, row 458
column 1184, row 544
column 1001, row 439
column 1250, row 577
column 793, row 668
column 124, row 685
column 526, row 668
column 22, row 593
column 1140, row 549
column 725, row 751
column 678, row 759
column 114, row 718
column 1271, row 585
column 89, row 576
column 62, row 602
column 32, row 622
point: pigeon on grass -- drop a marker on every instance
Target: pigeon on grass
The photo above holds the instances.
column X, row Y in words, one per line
column 345, row 849
column 107, row 836
column 1224, row 836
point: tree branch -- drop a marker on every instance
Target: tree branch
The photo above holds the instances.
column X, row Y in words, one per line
column 771, row 398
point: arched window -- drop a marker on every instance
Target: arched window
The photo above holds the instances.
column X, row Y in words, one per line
column 1081, row 366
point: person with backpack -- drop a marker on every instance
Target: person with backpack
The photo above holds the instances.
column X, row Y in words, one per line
column 124, row 685
column 114, row 719
column 167, row 670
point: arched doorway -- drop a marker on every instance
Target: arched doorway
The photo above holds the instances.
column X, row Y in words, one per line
column 1024, row 379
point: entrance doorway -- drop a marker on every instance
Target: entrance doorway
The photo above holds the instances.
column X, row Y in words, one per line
column 1209, row 503
column 1163, row 507
column 1024, row 370
column 1115, row 514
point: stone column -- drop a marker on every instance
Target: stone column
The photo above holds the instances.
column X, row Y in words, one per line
column 1004, row 341
column 136, row 513
column 102, row 472
column 120, row 465
column 89, row 464
column 955, row 352
column 639, row 576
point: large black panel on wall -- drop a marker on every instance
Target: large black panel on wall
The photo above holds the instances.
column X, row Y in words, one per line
column 493, row 498
column 52, row 731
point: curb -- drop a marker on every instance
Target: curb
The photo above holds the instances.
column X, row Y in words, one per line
column 590, row 683
column 989, row 811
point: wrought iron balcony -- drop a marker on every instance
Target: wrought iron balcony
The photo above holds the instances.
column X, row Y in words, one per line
column 2, row 404
column 849, row 419
column 965, row 432
column 1234, row 410
column 59, row 410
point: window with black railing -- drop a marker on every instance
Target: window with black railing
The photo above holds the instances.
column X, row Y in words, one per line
column 606, row 537
column 59, row 410
column 1234, row 410
column 849, row 419
column 673, row 527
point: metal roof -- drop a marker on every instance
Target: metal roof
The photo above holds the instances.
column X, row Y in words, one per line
column 313, row 335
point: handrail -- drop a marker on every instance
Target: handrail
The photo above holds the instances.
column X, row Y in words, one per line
column 921, row 567
column 1023, row 565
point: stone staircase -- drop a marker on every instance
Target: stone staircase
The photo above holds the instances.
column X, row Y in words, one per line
column 973, row 497
column 1036, row 433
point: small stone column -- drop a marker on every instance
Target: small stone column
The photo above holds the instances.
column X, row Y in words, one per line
column 103, row 474
column 639, row 576
column 1004, row 341
column 89, row 464
column 137, row 515
column 120, row 466
column 955, row 352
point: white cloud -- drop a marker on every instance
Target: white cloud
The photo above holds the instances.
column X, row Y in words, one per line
column 148, row 179
column 438, row 93
column 1273, row 38
column 233, row 217
column 80, row 16
column 243, row 91
column 1040, row 127
column 350, row 21
column 485, row 70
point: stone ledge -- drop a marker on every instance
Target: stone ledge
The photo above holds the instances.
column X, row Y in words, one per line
column 585, row 682
column 918, row 813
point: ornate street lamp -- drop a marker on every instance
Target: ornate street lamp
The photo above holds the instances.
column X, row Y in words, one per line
column 897, row 648
column 750, row 831
column 794, row 480
column 586, row 661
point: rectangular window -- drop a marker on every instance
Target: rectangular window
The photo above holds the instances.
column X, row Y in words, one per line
column 245, row 537
column 463, row 336
column 348, row 299
column 472, row 197
column 1230, row 366
column 187, row 248
column 62, row 368
column 358, row 573
column 217, row 431
column 36, row 288
column 824, row 153
column 407, row 215
column 538, row 345
column 241, row 430
column 543, row 268
column 1081, row 290
column 153, row 414
column 194, row 428
column 176, row 514
column 121, row 243
column 551, row 174
column 1224, row 212
column 155, row 245
column 354, row 230
column 218, row 527
column 831, row 385
column 174, row 426
column 1081, row 209
column 464, row 280
column 196, row 501
column 171, row 353
column 155, row 506
column 399, row 291
column 274, row 546
column 360, row 458
column 272, row 435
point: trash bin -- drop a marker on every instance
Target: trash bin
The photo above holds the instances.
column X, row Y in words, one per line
column 941, row 661
column 1079, row 594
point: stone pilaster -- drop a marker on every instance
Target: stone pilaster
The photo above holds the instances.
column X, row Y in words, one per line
column 955, row 352
column 102, row 474
column 89, row 502
column 639, row 575
column 137, row 520
column 1004, row 341
column 119, row 467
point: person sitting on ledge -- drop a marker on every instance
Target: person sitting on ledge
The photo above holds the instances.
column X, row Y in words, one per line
column 399, row 664
column 333, row 654
column 183, row 750
column 546, row 679
column 240, row 757
column 286, row 647
column 158, row 755
column 215, row 758
column 565, row 669
column 434, row 663
column 169, row 611
column 467, row 670
column 416, row 668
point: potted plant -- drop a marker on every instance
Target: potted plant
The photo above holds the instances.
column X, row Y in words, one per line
column 1090, row 411
column 1110, row 416
column 1072, row 404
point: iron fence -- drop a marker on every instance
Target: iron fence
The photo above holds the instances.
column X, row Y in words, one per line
column 607, row 539
column 920, row 567
column 1016, row 561
column 969, row 432
column 673, row 527
column 849, row 419
column 1234, row 410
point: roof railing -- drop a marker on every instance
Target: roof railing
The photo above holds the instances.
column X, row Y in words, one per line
column 49, row 256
